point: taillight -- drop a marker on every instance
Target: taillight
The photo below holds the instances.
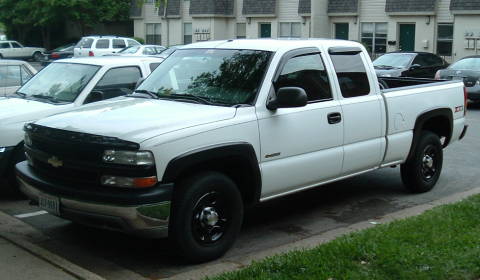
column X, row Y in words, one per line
column 55, row 55
column 465, row 100
column 90, row 53
column 437, row 75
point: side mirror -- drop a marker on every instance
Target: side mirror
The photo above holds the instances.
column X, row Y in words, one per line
column 139, row 82
column 288, row 97
column 94, row 96
column 415, row 66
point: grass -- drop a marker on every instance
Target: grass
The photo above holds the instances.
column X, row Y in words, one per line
column 443, row 243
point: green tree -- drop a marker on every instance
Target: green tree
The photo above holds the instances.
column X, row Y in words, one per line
column 21, row 16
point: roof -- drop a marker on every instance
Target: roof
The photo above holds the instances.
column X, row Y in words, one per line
column 12, row 62
column 342, row 6
column 304, row 7
column 259, row 7
column 272, row 45
column 109, row 60
column 173, row 8
column 464, row 5
column 410, row 6
column 212, row 7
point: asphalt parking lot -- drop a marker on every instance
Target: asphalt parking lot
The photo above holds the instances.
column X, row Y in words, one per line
column 118, row 256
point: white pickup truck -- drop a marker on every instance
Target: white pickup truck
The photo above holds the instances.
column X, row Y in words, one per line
column 60, row 87
column 223, row 125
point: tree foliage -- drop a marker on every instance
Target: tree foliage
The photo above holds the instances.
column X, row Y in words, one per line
column 23, row 15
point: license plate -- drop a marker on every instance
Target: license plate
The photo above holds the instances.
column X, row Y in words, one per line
column 49, row 204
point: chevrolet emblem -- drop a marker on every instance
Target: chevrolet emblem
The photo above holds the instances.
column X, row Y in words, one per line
column 55, row 162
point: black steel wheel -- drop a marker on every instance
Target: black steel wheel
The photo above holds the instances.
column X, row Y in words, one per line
column 421, row 171
column 206, row 216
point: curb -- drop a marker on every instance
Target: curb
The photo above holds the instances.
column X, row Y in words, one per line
column 10, row 229
column 313, row 241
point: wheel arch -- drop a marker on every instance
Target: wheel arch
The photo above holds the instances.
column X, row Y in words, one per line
column 237, row 160
column 438, row 121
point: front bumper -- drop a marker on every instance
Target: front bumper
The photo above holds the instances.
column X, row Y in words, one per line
column 5, row 158
column 145, row 214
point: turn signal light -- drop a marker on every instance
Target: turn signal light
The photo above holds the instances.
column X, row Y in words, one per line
column 129, row 182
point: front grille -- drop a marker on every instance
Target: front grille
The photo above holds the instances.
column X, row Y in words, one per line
column 66, row 174
column 80, row 155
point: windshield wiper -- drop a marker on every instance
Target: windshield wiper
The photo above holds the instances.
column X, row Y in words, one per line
column 196, row 98
column 143, row 91
column 46, row 97
column 21, row 94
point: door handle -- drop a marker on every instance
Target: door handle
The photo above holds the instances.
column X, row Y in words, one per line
column 334, row 118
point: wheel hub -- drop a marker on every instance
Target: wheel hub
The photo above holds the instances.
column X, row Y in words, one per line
column 428, row 161
column 209, row 216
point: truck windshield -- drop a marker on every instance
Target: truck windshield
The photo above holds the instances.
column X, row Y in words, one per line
column 395, row 60
column 223, row 77
column 59, row 82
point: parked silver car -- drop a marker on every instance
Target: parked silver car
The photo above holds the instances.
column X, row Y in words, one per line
column 13, row 74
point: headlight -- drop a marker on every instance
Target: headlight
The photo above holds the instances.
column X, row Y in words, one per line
column 27, row 140
column 128, row 157
column 2, row 149
column 385, row 75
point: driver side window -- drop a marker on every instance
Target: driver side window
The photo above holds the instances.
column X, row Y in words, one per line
column 118, row 82
column 307, row 72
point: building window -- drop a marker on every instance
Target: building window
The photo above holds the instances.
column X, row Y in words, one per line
column 265, row 30
column 290, row 30
column 445, row 39
column 187, row 33
column 341, row 31
column 241, row 30
column 154, row 34
column 374, row 37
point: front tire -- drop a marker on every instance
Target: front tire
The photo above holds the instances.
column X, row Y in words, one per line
column 421, row 172
column 13, row 187
column 206, row 216
column 37, row 57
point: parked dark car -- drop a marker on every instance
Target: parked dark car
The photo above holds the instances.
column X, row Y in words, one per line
column 61, row 52
column 468, row 70
column 409, row 64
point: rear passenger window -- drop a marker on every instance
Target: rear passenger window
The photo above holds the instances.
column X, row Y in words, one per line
column 351, row 74
column 118, row 81
column 4, row 45
column 118, row 44
column 85, row 43
column 102, row 44
column 132, row 43
column 307, row 72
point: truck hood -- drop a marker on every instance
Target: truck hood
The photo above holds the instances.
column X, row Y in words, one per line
column 137, row 119
column 13, row 110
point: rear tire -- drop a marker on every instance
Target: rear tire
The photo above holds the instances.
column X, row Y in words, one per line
column 206, row 216
column 421, row 172
column 37, row 57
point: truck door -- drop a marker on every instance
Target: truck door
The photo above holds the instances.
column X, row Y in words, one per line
column 301, row 146
column 363, row 111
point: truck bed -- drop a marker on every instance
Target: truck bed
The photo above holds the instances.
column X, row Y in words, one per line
column 388, row 84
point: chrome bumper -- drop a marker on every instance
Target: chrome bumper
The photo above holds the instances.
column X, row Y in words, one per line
column 143, row 220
